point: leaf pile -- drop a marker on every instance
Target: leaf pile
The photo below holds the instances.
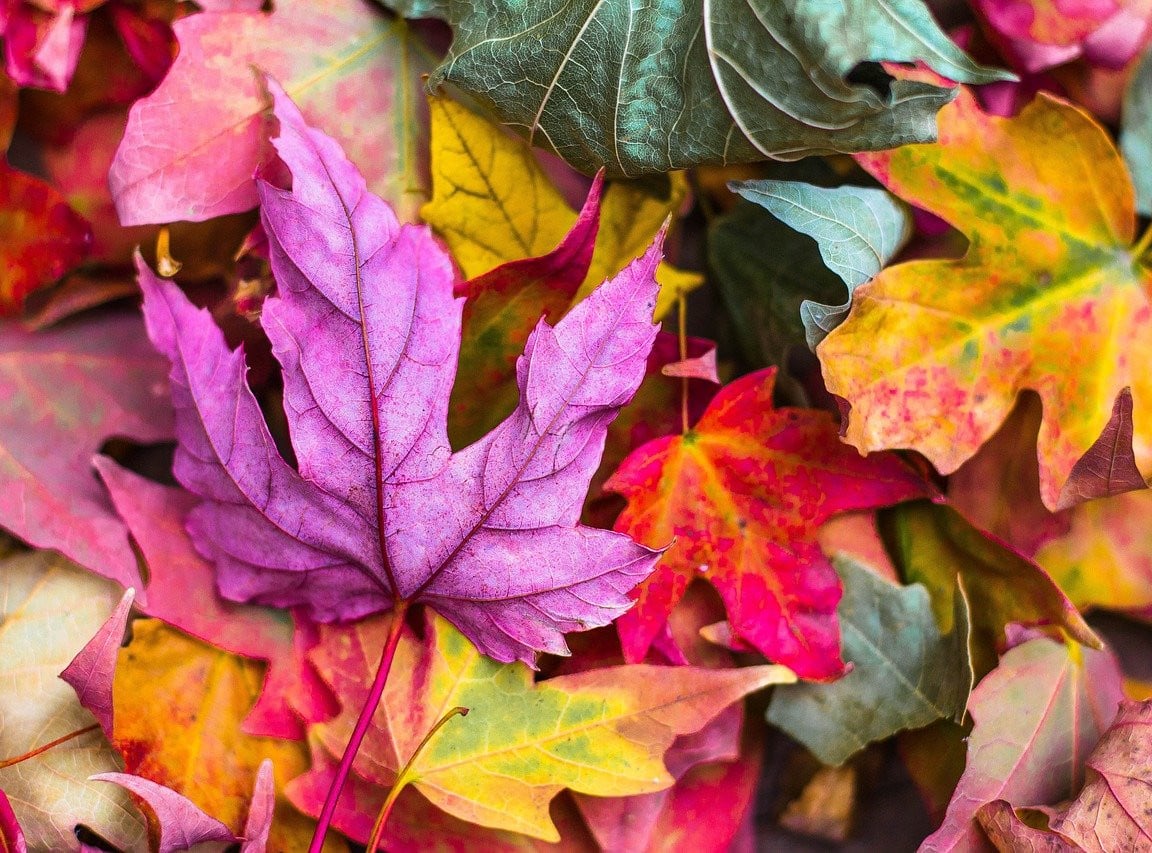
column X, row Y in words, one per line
column 575, row 426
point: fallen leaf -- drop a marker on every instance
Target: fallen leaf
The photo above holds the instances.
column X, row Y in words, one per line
column 905, row 673
column 191, row 147
column 182, row 823
column 194, row 745
column 826, row 807
column 64, row 392
column 41, row 237
column 1046, row 290
column 1009, row 833
column 858, row 230
column 43, row 41
column 493, row 203
column 91, row 672
column 380, row 511
column 48, row 607
column 1036, row 716
column 259, row 821
column 657, row 88
column 603, row 732
column 11, row 835
column 1136, row 133
column 739, row 498
column 933, row 545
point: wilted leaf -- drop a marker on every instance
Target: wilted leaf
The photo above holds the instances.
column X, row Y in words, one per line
column 48, row 608
column 41, row 237
column 858, row 230
column 493, row 203
column 192, row 147
column 179, row 703
column 63, row 393
column 380, row 510
column 933, row 545
column 1136, row 133
column 602, row 732
column 742, row 494
column 1038, row 714
column 1043, row 298
column 905, row 673
column 655, row 88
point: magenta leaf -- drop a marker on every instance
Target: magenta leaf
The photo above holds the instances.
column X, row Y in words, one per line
column 260, row 812
column 11, row 835
column 381, row 510
column 92, row 670
column 182, row 822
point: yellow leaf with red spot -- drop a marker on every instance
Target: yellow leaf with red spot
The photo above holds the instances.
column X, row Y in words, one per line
column 1050, row 296
column 178, row 708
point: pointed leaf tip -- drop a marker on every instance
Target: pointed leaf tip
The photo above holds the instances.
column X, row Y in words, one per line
column 92, row 671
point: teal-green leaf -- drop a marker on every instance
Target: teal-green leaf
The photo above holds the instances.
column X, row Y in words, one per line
column 857, row 229
column 1136, row 133
column 650, row 87
column 905, row 674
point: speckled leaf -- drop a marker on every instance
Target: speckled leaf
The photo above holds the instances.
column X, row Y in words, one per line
column 1136, row 133
column 742, row 495
column 1037, row 716
column 48, row 608
column 933, row 545
column 905, row 673
column 41, row 237
column 1048, row 297
column 493, row 204
column 857, row 229
column 63, row 393
column 193, row 146
column 655, row 87
column 1105, row 557
column 379, row 509
column 601, row 732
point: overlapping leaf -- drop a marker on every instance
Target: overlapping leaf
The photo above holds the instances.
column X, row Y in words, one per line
column 604, row 731
column 192, row 147
column 380, row 510
column 63, row 393
column 1050, row 296
column 905, row 673
column 742, row 494
column 638, row 89
column 1136, row 133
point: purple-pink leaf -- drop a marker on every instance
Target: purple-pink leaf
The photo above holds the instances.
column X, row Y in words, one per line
column 699, row 367
column 380, row 510
column 260, row 812
column 182, row 822
column 93, row 669
column 11, row 835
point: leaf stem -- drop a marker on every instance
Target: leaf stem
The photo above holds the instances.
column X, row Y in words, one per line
column 8, row 762
column 1144, row 247
column 361, row 729
column 682, row 336
column 405, row 776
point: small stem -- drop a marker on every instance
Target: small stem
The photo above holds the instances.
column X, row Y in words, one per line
column 361, row 729
column 404, row 777
column 8, row 762
column 1144, row 247
column 682, row 334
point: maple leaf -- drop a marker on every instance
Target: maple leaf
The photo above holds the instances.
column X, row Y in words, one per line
column 41, row 237
column 381, row 511
column 49, row 607
column 182, row 823
column 602, row 732
column 906, row 673
column 1042, row 709
column 742, row 494
column 1049, row 296
column 66, row 391
column 191, row 147
column 493, row 203
column 195, row 747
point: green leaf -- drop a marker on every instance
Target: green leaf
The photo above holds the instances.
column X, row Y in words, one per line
column 905, row 674
column 638, row 88
column 1136, row 133
column 857, row 229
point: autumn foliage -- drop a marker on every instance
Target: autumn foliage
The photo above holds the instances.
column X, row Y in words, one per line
column 444, row 425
